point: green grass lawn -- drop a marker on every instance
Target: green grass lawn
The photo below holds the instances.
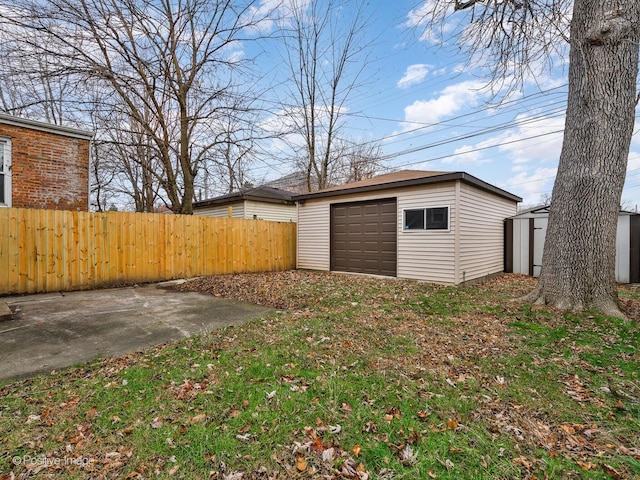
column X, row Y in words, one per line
column 351, row 377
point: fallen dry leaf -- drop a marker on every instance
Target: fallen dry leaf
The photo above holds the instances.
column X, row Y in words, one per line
column 335, row 429
column 92, row 412
column 587, row 465
column 198, row 418
column 156, row 423
column 523, row 462
column 301, row 464
column 612, row 472
column 452, row 424
column 329, row 454
column 408, row 456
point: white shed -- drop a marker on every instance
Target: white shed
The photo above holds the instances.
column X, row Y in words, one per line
column 260, row 203
column 524, row 242
column 442, row 227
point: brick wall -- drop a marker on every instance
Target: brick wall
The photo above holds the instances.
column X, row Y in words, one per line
column 49, row 170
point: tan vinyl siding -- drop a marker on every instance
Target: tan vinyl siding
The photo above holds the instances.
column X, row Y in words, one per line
column 476, row 232
column 313, row 235
column 482, row 232
column 427, row 255
column 422, row 255
column 222, row 210
column 270, row 211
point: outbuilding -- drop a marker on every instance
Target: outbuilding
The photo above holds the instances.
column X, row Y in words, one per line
column 444, row 227
column 258, row 203
column 524, row 243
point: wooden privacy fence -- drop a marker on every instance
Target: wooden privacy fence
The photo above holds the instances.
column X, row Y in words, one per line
column 52, row 250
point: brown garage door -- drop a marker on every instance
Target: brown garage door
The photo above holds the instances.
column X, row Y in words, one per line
column 364, row 237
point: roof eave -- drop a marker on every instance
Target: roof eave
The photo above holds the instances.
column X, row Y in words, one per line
column 240, row 198
column 462, row 176
column 231, row 198
column 45, row 127
column 282, row 201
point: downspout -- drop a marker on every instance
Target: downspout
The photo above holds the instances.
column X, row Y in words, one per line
column 456, row 237
column 297, row 232
column 90, row 167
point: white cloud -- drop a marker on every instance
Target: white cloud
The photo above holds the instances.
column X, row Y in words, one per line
column 267, row 14
column 634, row 161
column 238, row 54
column 533, row 139
column 516, row 144
column 532, row 186
column 531, row 183
column 413, row 75
column 416, row 16
column 420, row 17
column 630, row 195
column 451, row 100
column 285, row 126
column 635, row 139
column 467, row 155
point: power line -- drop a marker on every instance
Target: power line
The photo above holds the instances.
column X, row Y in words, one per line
column 417, row 149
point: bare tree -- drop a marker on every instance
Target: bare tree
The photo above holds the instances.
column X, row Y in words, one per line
column 127, row 164
column 101, row 179
column 579, row 255
column 170, row 67
column 545, row 199
column 229, row 162
column 30, row 88
column 326, row 52
column 355, row 162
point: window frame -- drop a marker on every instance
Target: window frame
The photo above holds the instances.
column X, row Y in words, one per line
column 5, row 145
column 425, row 223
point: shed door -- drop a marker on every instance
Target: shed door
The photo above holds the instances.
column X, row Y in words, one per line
column 539, row 234
column 364, row 237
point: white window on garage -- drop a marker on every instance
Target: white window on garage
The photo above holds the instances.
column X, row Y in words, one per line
column 5, row 172
column 432, row 218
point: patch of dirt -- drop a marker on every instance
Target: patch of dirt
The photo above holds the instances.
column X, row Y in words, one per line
column 281, row 290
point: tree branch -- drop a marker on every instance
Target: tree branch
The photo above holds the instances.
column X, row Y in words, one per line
column 464, row 5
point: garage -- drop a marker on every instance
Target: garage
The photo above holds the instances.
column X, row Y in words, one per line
column 444, row 227
column 364, row 237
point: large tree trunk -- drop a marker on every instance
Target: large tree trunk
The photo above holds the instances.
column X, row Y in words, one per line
column 579, row 255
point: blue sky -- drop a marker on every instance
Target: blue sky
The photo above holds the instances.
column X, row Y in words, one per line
column 430, row 110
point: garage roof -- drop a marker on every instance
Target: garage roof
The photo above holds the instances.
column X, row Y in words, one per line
column 406, row 178
column 262, row 193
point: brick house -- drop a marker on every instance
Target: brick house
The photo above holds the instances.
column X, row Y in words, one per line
column 43, row 165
